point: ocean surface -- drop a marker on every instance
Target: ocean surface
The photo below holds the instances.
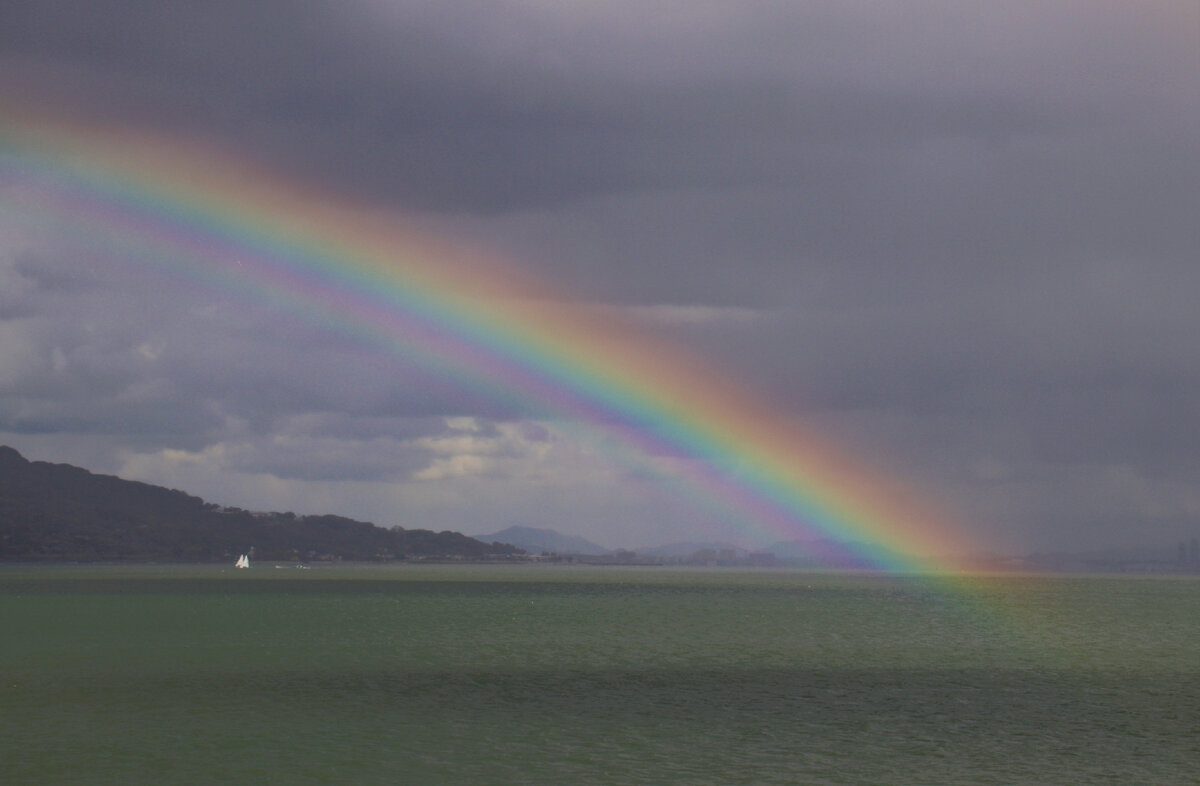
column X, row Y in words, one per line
column 550, row 675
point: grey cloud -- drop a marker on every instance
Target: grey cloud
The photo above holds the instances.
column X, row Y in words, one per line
column 414, row 111
column 307, row 458
column 973, row 227
column 60, row 278
column 138, row 352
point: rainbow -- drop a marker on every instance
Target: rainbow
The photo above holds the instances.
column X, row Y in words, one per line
column 474, row 318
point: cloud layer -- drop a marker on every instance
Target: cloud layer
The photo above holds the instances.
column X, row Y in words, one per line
column 959, row 238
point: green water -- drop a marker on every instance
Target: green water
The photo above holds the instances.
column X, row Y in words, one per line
column 529, row 675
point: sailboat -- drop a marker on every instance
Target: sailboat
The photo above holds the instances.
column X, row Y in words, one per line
column 242, row 562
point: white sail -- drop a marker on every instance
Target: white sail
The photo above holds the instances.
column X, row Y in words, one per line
column 243, row 562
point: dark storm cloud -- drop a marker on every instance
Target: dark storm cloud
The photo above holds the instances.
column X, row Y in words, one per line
column 962, row 237
column 411, row 108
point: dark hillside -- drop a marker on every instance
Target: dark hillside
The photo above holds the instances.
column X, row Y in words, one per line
column 52, row 512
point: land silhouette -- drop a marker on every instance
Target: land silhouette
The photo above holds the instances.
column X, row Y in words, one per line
column 62, row 513
column 59, row 512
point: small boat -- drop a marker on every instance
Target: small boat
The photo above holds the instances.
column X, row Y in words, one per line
column 242, row 562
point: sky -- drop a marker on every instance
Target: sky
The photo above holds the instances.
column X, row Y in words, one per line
column 958, row 240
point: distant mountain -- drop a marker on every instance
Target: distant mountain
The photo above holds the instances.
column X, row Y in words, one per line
column 59, row 512
column 536, row 541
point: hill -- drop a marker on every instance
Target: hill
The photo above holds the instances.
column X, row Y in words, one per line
column 536, row 541
column 58, row 512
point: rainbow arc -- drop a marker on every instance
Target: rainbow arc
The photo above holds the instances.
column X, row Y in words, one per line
column 478, row 318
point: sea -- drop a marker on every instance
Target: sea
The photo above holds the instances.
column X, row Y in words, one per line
column 529, row 674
